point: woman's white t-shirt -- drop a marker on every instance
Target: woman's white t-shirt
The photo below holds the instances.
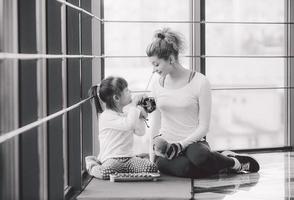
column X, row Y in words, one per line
column 184, row 112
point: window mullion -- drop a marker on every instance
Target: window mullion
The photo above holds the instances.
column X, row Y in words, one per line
column 198, row 38
column 290, row 43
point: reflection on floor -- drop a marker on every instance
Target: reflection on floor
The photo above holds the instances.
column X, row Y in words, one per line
column 275, row 181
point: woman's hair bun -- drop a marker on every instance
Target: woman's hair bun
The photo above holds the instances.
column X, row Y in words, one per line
column 160, row 35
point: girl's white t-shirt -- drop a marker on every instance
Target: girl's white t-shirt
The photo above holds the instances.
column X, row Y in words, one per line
column 116, row 132
column 184, row 112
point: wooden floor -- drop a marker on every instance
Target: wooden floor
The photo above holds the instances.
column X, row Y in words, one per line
column 275, row 181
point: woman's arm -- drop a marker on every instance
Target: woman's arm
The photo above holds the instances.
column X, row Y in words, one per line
column 155, row 123
column 204, row 115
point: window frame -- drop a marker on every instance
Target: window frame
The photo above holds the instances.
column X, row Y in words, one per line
column 9, row 119
column 290, row 72
column 42, row 95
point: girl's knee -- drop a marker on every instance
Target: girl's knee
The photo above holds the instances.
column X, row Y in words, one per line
column 147, row 166
column 151, row 168
column 100, row 173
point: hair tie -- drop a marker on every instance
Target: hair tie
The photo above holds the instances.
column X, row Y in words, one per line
column 94, row 90
column 161, row 36
column 94, row 93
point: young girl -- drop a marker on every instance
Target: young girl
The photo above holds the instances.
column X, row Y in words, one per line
column 122, row 118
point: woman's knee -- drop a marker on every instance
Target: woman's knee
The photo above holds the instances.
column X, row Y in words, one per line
column 197, row 153
column 180, row 168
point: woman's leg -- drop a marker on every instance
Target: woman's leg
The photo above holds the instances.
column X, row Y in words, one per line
column 137, row 165
column 202, row 157
column 213, row 162
column 180, row 166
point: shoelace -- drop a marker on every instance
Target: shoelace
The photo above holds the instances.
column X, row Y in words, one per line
column 245, row 167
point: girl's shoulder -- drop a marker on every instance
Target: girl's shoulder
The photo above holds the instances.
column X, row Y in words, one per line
column 128, row 108
column 108, row 113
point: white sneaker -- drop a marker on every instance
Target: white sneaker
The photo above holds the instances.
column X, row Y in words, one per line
column 90, row 161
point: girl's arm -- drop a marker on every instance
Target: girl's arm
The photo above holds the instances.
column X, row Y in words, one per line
column 140, row 124
column 123, row 122
column 204, row 115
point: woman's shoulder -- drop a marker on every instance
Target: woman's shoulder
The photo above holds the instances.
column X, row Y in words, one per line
column 199, row 82
column 200, row 75
column 200, row 78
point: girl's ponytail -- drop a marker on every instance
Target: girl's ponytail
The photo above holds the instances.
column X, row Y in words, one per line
column 93, row 92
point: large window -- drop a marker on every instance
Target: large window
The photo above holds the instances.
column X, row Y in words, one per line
column 131, row 39
column 244, row 44
column 249, row 98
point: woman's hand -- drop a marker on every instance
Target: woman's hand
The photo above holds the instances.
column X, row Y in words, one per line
column 174, row 150
column 166, row 150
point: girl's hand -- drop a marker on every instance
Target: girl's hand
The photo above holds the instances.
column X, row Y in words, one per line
column 143, row 113
column 136, row 99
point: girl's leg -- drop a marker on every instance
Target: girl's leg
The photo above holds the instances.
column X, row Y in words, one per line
column 101, row 172
column 202, row 157
column 110, row 166
column 137, row 165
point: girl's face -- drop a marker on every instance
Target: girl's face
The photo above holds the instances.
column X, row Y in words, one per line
column 125, row 97
column 161, row 66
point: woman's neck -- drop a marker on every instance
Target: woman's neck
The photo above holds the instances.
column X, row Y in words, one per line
column 178, row 72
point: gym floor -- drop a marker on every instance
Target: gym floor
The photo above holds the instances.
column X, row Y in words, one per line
column 275, row 181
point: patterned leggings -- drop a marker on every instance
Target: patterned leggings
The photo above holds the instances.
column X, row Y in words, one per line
column 121, row 165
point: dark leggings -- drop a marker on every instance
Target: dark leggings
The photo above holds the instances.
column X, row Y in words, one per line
column 195, row 162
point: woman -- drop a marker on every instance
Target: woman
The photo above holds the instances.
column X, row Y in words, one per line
column 182, row 119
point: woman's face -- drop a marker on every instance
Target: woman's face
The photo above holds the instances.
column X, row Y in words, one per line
column 161, row 66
